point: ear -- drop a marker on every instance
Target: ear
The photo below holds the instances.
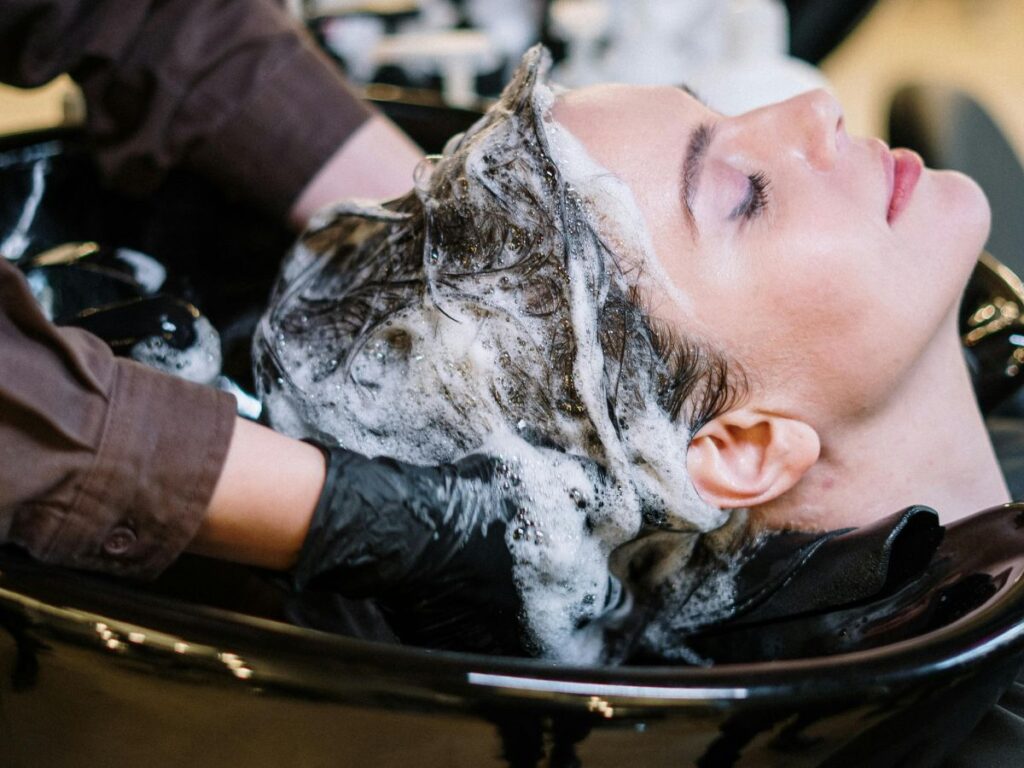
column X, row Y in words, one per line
column 747, row 457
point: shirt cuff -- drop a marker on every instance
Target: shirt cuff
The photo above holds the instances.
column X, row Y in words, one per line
column 162, row 451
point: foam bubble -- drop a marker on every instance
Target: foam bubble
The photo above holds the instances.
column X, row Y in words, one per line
column 200, row 362
column 149, row 273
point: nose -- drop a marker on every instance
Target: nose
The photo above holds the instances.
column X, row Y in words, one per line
column 813, row 122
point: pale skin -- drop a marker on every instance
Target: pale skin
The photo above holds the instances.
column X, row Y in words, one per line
column 377, row 162
column 859, row 402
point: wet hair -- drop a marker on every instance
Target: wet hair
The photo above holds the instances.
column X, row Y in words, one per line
column 499, row 308
column 493, row 237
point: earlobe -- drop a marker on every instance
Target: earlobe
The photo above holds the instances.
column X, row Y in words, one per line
column 747, row 457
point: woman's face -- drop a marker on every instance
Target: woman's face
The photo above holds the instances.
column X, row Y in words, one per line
column 824, row 264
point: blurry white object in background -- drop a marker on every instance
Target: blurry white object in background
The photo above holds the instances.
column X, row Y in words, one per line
column 512, row 25
column 662, row 42
column 582, row 24
column 734, row 54
column 433, row 15
column 246, row 405
column 355, row 39
column 755, row 68
column 458, row 55
column 149, row 273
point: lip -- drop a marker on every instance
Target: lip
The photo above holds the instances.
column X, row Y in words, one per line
column 903, row 168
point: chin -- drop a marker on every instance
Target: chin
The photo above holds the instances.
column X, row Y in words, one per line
column 944, row 230
column 966, row 216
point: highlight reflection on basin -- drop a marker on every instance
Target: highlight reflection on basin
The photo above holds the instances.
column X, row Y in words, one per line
column 99, row 672
column 202, row 669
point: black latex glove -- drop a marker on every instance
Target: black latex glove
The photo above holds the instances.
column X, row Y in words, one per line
column 427, row 542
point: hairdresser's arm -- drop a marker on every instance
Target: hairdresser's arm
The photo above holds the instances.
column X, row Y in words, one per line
column 104, row 464
column 377, row 161
column 111, row 466
column 233, row 89
column 429, row 542
column 263, row 501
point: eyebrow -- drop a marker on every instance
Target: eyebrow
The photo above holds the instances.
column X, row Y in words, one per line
column 693, row 164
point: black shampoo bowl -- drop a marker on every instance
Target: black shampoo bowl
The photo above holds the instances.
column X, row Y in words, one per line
column 95, row 672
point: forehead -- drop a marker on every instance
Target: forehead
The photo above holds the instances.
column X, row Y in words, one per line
column 638, row 108
column 638, row 133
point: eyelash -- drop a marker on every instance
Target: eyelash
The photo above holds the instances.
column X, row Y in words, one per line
column 756, row 200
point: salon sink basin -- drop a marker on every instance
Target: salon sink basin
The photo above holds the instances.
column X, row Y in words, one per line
column 198, row 669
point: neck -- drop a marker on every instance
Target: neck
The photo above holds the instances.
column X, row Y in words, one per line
column 927, row 445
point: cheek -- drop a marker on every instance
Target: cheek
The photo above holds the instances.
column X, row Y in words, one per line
column 832, row 315
column 810, row 280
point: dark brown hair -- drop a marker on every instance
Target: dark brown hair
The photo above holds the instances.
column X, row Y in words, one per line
column 497, row 232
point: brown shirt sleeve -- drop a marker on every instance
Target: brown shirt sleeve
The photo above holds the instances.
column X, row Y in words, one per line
column 231, row 88
column 104, row 464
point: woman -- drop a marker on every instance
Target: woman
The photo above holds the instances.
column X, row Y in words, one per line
column 832, row 269
column 625, row 277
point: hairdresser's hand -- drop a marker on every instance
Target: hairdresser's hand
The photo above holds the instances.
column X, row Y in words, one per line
column 427, row 542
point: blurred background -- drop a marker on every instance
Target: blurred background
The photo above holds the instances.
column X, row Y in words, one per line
column 465, row 48
column 943, row 77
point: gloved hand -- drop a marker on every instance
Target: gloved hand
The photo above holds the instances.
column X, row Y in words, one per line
column 427, row 542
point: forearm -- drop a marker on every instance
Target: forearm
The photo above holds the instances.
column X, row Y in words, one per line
column 264, row 500
column 377, row 161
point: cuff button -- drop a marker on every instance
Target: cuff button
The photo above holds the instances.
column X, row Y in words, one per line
column 119, row 540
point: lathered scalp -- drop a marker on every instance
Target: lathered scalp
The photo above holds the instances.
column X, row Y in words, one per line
column 486, row 311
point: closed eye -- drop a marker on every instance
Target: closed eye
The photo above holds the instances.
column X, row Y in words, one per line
column 755, row 200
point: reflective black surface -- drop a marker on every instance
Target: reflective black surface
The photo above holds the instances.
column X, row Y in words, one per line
column 992, row 330
column 97, row 672
column 220, row 255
